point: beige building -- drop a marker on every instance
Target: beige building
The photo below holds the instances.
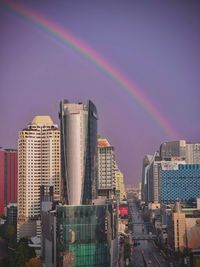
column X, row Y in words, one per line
column 39, row 164
column 119, row 178
column 179, row 229
column 186, row 230
column 193, row 231
column 106, row 165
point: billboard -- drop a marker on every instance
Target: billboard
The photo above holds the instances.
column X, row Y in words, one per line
column 169, row 165
column 123, row 210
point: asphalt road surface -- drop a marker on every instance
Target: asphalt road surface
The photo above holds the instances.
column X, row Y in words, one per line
column 145, row 250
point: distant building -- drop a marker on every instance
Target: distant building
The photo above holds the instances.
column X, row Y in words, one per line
column 8, row 177
column 170, row 155
column 173, row 149
column 146, row 164
column 193, row 153
column 78, row 123
column 182, row 183
column 179, row 229
column 12, row 214
column 106, row 183
column 39, row 164
column 190, row 151
column 184, row 228
column 152, row 180
column 120, row 187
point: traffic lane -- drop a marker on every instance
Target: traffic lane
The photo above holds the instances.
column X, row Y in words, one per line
column 137, row 258
column 144, row 249
column 150, row 259
column 152, row 253
column 146, row 246
column 161, row 259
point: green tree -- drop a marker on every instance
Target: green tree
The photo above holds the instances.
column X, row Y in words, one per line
column 127, row 250
column 21, row 255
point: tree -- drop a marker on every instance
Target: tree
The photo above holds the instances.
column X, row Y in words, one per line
column 33, row 262
column 23, row 253
column 127, row 250
column 10, row 232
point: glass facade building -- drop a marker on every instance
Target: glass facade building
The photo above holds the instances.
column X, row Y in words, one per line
column 181, row 184
column 78, row 123
column 84, row 235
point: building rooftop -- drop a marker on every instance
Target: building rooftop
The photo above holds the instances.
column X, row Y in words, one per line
column 42, row 120
column 103, row 142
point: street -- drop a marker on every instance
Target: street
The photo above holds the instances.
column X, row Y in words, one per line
column 145, row 253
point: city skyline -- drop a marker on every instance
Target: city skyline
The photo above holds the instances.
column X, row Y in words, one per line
column 155, row 89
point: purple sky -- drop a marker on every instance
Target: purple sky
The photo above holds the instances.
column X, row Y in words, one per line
column 156, row 44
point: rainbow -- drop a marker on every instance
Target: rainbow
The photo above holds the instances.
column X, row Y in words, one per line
column 66, row 37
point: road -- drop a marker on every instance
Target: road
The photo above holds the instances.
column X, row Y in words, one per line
column 146, row 249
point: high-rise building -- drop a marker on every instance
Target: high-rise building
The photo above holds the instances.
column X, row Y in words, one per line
column 39, row 164
column 153, row 184
column 193, row 153
column 173, row 149
column 8, row 177
column 145, row 167
column 106, row 166
column 78, row 124
column 190, row 151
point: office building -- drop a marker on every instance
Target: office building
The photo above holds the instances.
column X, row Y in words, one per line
column 80, row 236
column 179, row 228
column 78, row 124
column 184, row 228
column 151, row 174
column 173, row 149
column 190, row 151
column 193, row 153
column 12, row 214
column 106, row 167
column 8, row 177
column 180, row 183
column 39, row 164
column 146, row 164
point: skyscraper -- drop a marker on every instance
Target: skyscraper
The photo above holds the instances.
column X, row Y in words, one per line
column 182, row 148
column 8, row 177
column 39, row 164
column 78, row 123
column 173, row 149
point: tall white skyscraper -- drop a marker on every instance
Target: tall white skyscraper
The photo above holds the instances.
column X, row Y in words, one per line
column 39, row 164
column 78, row 151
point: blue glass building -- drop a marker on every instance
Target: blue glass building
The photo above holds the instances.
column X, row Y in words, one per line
column 181, row 184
